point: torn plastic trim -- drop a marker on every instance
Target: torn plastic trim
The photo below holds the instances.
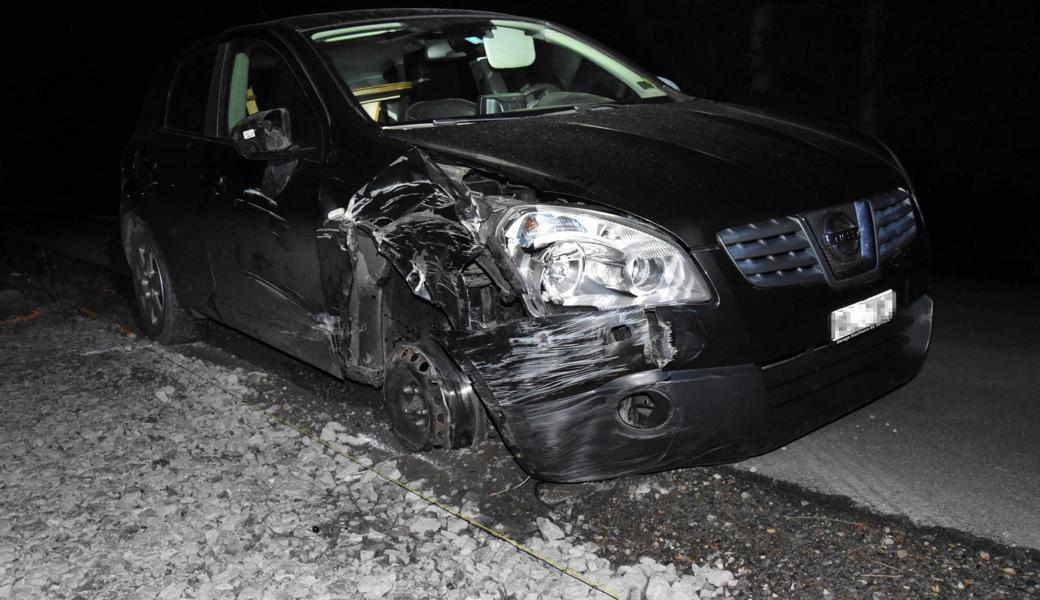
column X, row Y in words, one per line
column 659, row 349
column 529, row 373
column 717, row 414
column 582, row 437
column 417, row 218
column 527, row 361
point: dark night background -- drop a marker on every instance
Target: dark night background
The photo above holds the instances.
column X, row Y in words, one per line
column 950, row 87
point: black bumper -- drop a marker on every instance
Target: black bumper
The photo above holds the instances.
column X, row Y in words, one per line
column 553, row 391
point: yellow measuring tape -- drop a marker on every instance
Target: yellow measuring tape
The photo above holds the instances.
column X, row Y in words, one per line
column 399, row 483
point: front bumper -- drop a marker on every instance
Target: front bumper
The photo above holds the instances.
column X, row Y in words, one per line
column 553, row 387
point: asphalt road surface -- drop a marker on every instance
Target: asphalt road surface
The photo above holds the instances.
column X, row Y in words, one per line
column 959, row 446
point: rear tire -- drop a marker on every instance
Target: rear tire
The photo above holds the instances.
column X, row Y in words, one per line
column 159, row 314
column 430, row 401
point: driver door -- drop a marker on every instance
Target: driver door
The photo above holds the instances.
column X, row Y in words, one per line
column 266, row 267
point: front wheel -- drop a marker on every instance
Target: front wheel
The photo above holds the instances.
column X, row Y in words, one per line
column 160, row 315
column 430, row 401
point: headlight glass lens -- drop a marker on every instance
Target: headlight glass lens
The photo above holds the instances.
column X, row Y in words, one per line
column 577, row 257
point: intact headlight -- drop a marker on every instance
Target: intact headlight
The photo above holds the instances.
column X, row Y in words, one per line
column 576, row 257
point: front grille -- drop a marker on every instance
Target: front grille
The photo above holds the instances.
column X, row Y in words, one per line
column 779, row 252
column 772, row 253
column 894, row 221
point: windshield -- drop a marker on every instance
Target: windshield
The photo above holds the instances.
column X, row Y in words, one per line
column 425, row 70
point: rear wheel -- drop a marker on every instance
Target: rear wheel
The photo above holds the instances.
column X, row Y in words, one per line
column 430, row 401
column 159, row 313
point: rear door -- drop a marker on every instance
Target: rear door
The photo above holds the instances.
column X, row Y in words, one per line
column 171, row 161
column 267, row 269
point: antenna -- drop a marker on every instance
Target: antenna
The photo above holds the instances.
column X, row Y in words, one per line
column 263, row 13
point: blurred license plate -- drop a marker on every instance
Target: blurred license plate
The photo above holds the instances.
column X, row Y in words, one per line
column 862, row 316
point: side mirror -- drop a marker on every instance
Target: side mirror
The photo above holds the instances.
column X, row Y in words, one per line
column 266, row 135
column 669, row 83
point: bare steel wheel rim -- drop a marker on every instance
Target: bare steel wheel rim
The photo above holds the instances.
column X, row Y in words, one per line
column 151, row 291
column 414, row 399
column 430, row 401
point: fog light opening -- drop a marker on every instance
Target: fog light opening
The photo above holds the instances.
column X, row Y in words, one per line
column 643, row 410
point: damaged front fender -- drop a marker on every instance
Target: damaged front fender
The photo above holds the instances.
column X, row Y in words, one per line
column 553, row 384
column 416, row 220
column 430, row 252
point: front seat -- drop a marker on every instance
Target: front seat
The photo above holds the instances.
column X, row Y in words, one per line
column 445, row 108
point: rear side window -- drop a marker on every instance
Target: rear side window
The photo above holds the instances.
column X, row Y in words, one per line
column 189, row 92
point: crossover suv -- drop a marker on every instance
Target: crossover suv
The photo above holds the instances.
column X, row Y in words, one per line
column 500, row 222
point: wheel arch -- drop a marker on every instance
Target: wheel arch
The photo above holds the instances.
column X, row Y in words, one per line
column 177, row 324
column 382, row 310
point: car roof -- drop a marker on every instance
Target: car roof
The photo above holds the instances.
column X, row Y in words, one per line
column 302, row 23
column 330, row 19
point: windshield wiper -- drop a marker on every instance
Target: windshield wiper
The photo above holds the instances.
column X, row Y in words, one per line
column 507, row 116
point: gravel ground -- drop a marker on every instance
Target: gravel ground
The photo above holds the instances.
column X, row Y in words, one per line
column 126, row 473
column 779, row 540
column 784, row 542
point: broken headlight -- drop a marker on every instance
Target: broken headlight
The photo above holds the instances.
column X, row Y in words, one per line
column 577, row 257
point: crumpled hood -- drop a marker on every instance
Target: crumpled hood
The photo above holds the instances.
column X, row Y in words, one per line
column 692, row 167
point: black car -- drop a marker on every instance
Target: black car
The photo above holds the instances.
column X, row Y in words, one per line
column 493, row 216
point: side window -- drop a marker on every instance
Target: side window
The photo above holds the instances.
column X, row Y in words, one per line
column 189, row 93
column 258, row 79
